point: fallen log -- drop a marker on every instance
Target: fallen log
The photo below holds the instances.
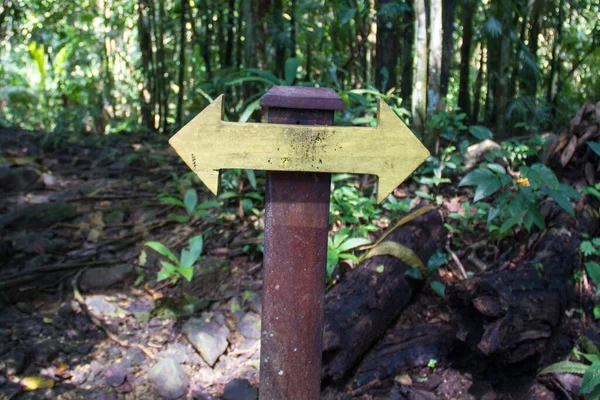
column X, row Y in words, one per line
column 362, row 307
column 509, row 315
column 404, row 348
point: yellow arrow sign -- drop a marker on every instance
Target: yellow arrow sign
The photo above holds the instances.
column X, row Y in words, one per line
column 208, row 144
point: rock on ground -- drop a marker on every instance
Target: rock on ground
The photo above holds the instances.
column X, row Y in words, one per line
column 169, row 378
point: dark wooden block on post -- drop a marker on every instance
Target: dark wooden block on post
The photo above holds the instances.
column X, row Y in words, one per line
column 296, row 226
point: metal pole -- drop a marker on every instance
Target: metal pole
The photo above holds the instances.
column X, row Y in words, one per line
column 296, row 226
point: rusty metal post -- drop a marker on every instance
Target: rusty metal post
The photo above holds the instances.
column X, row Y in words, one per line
column 296, row 226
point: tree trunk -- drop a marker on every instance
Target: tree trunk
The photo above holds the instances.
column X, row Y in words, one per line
column 181, row 79
column 249, row 50
column 207, row 42
column 238, row 31
column 406, row 55
column 419, row 90
column 292, row 28
column 435, row 58
column 447, row 45
column 386, row 53
column 479, row 84
column 278, row 38
column 536, row 19
column 502, row 95
column 228, row 62
column 163, row 74
column 360, row 309
column 555, row 61
column 147, row 91
column 464, row 94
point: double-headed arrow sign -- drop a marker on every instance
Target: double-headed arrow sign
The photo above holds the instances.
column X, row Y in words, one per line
column 208, row 144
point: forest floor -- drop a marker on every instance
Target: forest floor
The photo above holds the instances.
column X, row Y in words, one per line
column 81, row 313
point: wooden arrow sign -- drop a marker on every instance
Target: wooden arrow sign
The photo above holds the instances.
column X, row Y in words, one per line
column 208, row 144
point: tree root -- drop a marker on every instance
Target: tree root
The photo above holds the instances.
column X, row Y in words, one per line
column 96, row 321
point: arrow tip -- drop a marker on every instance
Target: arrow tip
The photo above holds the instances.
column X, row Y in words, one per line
column 401, row 163
column 201, row 124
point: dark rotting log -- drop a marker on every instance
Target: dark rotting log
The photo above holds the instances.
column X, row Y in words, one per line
column 509, row 315
column 404, row 348
column 361, row 308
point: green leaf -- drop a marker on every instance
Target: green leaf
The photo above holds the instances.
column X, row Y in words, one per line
column 593, row 270
column 547, row 175
column 568, row 191
column 251, row 177
column 190, row 199
column 168, row 266
column 162, row 275
column 196, row 245
column 348, row 256
column 597, row 311
column 480, row 132
column 591, row 379
column 594, row 394
column 509, row 223
column 187, row 273
column 186, row 258
column 162, row 250
column 438, row 287
column 415, row 274
column 485, row 181
column 39, row 56
column 437, row 260
column 245, row 79
column 497, row 168
column 595, row 146
column 486, row 189
column 353, row 243
column 227, row 195
column 171, row 200
column 561, row 200
column 179, row 218
column 250, row 108
column 565, row 367
column 291, row 68
column 587, row 248
column 208, row 204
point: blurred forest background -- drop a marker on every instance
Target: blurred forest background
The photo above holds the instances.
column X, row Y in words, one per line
column 105, row 66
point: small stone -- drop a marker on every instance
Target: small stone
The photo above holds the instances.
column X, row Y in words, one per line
column 209, row 338
column 98, row 304
column 134, row 357
column 84, row 348
column 181, row 353
column 240, row 389
column 65, row 309
column 169, row 378
column 105, row 277
column 23, row 307
column 17, row 179
column 250, row 326
column 13, row 363
column 255, row 303
column 115, row 375
column 46, row 351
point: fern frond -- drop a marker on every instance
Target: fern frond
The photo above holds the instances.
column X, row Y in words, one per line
column 565, row 367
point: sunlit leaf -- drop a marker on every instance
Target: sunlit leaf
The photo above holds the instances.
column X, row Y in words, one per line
column 162, row 250
column 37, row 382
column 190, row 199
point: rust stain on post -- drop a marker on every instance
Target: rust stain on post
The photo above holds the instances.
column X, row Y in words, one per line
column 296, row 226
